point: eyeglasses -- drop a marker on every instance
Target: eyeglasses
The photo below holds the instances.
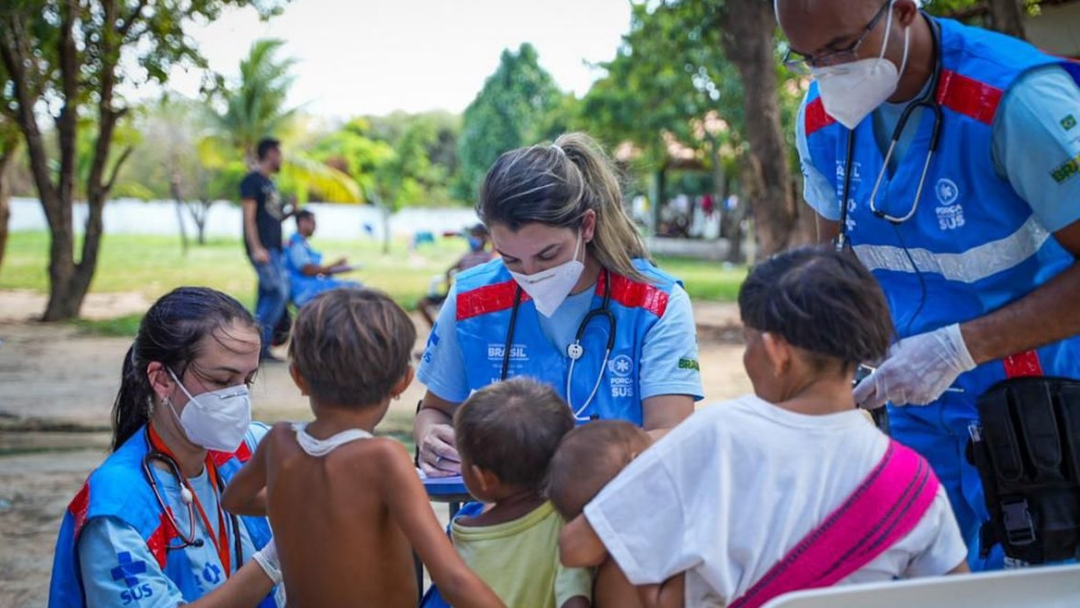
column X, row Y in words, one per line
column 801, row 64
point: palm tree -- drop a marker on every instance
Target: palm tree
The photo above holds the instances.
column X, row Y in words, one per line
column 256, row 108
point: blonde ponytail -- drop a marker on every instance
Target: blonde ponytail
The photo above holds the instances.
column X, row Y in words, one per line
column 556, row 185
column 616, row 241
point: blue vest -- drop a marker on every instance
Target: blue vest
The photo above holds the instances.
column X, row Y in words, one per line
column 119, row 489
column 977, row 245
column 302, row 286
column 485, row 303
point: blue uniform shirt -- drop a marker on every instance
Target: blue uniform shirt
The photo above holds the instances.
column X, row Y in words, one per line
column 1035, row 132
column 118, row 569
column 672, row 339
column 304, row 288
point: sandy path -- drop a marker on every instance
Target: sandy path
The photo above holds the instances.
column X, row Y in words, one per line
column 57, row 374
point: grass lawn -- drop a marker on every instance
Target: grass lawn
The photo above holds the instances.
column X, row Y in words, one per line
column 153, row 265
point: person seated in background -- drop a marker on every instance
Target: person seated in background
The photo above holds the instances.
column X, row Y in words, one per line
column 587, row 459
column 347, row 508
column 308, row 276
column 506, row 435
column 478, row 254
column 828, row 497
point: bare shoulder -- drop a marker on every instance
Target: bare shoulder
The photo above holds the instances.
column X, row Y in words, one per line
column 382, row 456
column 280, row 440
column 384, row 451
column 281, row 431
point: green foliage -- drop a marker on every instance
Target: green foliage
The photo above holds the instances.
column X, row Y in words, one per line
column 398, row 160
column 509, row 112
column 352, row 151
column 950, row 8
column 255, row 105
column 153, row 265
column 255, row 108
column 671, row 81
column 668, row 75
column 63, row 61
column 125, row 326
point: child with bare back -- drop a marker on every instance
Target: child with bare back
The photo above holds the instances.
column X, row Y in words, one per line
column 588, row 458
column 347, row 508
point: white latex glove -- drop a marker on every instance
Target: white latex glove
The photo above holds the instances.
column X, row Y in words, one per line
column 917, row 370
column 267, row 557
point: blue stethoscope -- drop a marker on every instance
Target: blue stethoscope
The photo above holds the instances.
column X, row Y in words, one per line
column 575, row 350
column 929, row 101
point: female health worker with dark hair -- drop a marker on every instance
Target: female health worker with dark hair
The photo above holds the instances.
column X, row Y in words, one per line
column 147, row 528
column 574, row 302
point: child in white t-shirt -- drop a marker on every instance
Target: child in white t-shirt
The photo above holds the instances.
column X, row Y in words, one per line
column 726, row 497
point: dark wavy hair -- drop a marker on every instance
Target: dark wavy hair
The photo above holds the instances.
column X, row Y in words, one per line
column 821, row 301
column 512, row 429
column 172, row 334
column 352, row 346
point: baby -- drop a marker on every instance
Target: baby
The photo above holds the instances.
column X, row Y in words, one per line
column 588, row 458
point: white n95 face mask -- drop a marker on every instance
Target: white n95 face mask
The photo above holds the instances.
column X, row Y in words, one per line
column 216, row 420
column 549, row 288
column 851, row 91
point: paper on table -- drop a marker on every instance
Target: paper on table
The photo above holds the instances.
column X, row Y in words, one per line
column 438, row 481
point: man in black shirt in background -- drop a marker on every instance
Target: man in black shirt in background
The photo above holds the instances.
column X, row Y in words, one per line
column 263, row 214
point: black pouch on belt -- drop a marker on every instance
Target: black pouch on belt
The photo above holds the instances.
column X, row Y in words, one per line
column 1027, row 451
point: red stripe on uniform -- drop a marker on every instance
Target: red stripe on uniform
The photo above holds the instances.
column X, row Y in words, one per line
column 243, row 454
column 968, row 96
column 1023, row 365
column 815, row 117
column 487, row 299
column 79, row 506
column 158, row 543
column 632, row 294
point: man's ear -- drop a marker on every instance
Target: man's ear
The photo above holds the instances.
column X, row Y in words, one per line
column 907, row 11
column 778, row 351
column 404, row 383
column 298, row 379
column 161, row 382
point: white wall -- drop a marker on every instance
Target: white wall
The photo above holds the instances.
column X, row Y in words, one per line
column 341, row 222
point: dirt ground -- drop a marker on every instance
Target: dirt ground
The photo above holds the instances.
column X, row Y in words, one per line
column 57, row 385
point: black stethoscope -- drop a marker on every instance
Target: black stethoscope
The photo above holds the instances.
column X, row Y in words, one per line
column 575, row 350
column 927, row 100
column 190, row 539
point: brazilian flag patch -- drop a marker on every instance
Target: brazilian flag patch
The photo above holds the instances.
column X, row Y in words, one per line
column 1068, row 122
column 689, row 364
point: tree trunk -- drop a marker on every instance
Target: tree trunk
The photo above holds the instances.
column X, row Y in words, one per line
column 386, row 228
column 68, row 281
column 174, row 188
column 748, row 29
column 1006, row 16
column 200, row 218
column 6, row 160
column 658, row 197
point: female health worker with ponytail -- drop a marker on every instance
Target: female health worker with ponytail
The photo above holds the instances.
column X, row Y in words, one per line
column 574, row 302
column 147, row 529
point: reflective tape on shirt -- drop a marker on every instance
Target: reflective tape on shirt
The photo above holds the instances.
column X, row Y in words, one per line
column 970, row 266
